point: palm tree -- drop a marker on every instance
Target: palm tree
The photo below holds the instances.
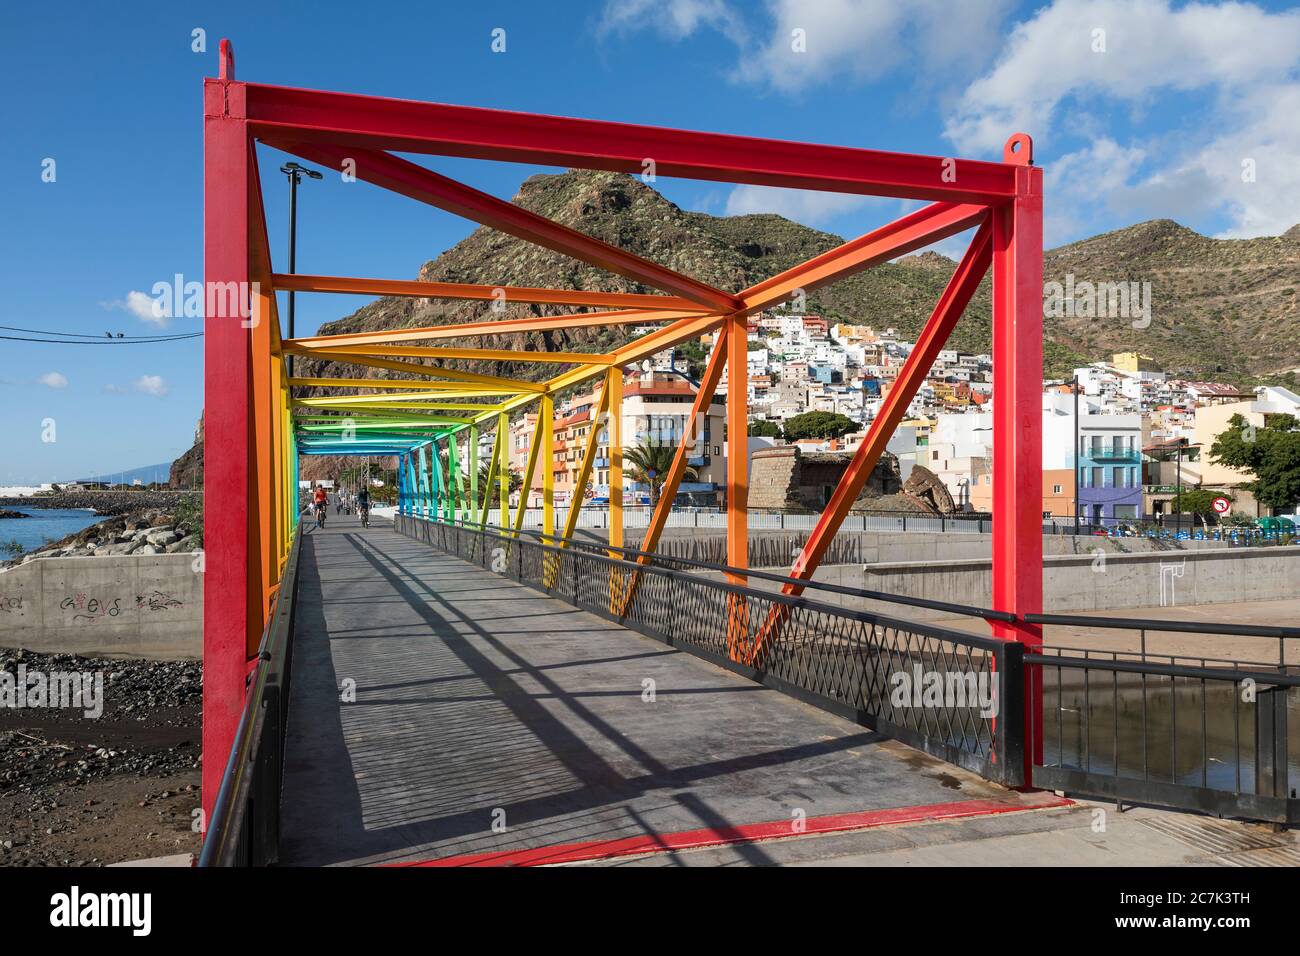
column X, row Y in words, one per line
column 494, row 494
column 648, row 464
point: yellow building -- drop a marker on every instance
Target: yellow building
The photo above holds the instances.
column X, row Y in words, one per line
column 1134, row 362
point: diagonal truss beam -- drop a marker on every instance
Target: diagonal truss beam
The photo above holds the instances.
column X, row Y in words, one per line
column 956, row 295
column 298, row 282
column 413, row 180
column 952, row 303
column 384, row 385
column 540, row 323
column 482, row 355
column 673, row 480
column 900, row 237
column 417, row 368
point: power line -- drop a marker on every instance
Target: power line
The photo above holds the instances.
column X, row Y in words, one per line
column 91, row 335
column 105, row 340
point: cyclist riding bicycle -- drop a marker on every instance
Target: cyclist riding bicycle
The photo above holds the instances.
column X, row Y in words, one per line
column 363, row 506
column 320, row 501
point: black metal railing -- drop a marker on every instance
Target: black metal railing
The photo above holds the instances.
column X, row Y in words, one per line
column 955, row 695
column 1203, row 730
column 244, row 829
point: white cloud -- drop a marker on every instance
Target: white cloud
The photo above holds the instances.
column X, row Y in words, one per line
column 675, row 18
column 114, row 389
column 807, row 206
column 1084, row 186
column 143, row 306
column 1239, row 62
column 151, row 385
column 797, row 44
column 54, row 380
column 866, row 39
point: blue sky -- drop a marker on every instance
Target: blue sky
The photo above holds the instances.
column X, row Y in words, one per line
column 1138, row 109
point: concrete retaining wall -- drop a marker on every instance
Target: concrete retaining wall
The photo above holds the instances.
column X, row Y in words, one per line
column 1070, row 583
column 118, row 606
column 1115, row 582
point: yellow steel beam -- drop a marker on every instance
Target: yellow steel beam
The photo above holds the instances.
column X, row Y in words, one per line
column 428, row 371
column 403, row 400
column 534, row 448
column 482, row 355
column 455, row 388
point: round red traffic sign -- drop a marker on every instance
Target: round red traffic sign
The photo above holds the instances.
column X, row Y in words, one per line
column 1221, row 505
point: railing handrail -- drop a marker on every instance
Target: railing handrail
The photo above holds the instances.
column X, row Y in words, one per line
column 223, row 828
column 1147, row 624
column 959, row 609
column 1164, row 670
column 865, row 617
column 1176, row 626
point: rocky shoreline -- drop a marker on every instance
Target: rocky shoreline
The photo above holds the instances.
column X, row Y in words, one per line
column 106, row 502
column 144, row 532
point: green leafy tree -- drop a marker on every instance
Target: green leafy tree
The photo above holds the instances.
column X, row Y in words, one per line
column 764, row 429
column 1270, row 453
column 1198, row 502
column 818, row 425
column 648, row 464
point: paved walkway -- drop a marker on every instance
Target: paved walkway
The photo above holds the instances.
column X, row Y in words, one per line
column 480, row 701
column 487, row 721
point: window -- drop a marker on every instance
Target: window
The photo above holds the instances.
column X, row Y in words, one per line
column 1098, row 481
column 1056, row 489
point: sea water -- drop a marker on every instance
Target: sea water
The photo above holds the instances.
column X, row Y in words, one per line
column 45, row 524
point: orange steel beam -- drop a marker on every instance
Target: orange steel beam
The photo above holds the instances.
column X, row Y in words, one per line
column 914, row 231
column 737, row 348
column 639, row 349
column 298, row 282
column 484, row 355
column 540, row 323
column 417, row 182
column 956, row 295
column 673, row 480
column 262, row 338
column 416, row 368
column 737, row 342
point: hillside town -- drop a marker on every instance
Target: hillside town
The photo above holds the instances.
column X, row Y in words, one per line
column 1121, row 438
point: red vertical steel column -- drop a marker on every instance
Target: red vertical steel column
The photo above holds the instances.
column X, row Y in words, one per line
column 1017, row 427
column 227, row 596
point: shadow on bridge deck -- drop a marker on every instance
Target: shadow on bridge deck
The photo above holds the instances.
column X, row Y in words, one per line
column 478, row 700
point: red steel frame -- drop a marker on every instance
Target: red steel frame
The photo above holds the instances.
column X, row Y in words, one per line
column 1003, row 199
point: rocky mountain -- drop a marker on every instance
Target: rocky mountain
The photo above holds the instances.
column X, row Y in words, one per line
column 1219, row 308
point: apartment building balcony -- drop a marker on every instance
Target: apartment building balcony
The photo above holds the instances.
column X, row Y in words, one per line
column 1112, row 453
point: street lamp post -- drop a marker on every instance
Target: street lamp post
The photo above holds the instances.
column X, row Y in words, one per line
column 1076, row 455
column 295, row 172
